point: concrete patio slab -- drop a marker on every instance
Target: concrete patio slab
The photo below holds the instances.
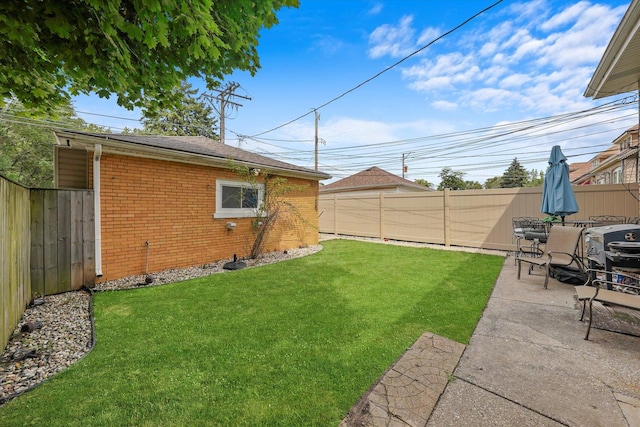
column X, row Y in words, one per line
column 530, row 360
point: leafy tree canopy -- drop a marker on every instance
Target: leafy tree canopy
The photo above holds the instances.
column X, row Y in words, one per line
column 424, row 182
column 451, row 179
column 536, row 178
column 26, row 146
column 138, row 50
column 192, row 118
column 472, row 185
column 492, row 182
column 515, row 176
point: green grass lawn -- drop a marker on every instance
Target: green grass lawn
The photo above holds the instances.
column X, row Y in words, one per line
column 294, row 343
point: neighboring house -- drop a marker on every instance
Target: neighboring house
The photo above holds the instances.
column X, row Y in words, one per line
column 577, row 169
column 372, row 180
column 174, row 202
column 616, row 165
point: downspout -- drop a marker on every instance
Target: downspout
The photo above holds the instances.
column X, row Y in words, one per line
column 96, row 190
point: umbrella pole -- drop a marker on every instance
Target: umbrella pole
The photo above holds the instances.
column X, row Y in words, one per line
column 562, row 217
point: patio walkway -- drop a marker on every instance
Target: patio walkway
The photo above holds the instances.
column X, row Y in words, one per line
column 526, row 365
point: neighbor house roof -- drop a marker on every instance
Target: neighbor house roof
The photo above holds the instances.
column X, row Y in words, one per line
column 373, row 177
column 619, row 68
column 189, row 149
column 578, row 169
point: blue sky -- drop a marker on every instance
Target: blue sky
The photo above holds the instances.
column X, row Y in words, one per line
column 508, row 84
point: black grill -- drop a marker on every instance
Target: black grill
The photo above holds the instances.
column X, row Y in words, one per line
column 598, row 239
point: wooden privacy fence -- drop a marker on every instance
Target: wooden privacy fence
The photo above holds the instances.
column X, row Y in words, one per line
column 15, row 286
column 46, row 246
column 62, row 240
column 473, row 218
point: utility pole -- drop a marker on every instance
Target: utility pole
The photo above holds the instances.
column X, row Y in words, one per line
column 224, row 99
column 404, row 168
column 316, row 137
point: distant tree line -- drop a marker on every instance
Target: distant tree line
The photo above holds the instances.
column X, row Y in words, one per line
column 513, row 177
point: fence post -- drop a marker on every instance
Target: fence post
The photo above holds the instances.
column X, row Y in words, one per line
column 335, row 214
column 382, row 215
column 447, row 219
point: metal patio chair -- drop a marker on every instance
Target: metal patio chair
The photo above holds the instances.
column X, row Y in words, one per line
column 561, row 250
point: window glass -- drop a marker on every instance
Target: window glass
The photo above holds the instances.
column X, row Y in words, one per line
column 231, row 197
column 237, row 199
column 249, row 198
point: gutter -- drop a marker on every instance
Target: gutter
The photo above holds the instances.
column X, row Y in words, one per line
column 97, row 217
column 621, row 39
column 139, row 149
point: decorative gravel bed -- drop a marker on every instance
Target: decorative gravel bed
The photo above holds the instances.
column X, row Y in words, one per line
column 56, row 331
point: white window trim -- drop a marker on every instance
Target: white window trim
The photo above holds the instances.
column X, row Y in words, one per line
column 239, row 212
column 617, row 176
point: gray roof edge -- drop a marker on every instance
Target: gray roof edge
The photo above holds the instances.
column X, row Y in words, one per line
column 620, row 35
column 221, row 160
column 373, row 186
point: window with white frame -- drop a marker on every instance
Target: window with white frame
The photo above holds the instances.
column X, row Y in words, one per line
column 236, row 199
column 616, row 176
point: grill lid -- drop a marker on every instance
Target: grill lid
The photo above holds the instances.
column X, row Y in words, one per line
column 628, row 247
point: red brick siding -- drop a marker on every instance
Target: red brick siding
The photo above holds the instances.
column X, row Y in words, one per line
column 171, row 205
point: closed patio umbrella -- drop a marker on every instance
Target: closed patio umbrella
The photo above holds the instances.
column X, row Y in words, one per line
column 557, row 195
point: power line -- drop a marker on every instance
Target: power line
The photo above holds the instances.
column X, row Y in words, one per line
column 469, row 140
column 358, row 86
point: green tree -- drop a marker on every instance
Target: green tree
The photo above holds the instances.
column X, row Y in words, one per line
column 451, row 179
column 138, row 50
column 26, row 144
column 424, row 182
column 536, row 178
column 492, row 182
column 515, row 176
column 193, row 117
column 472, row 185
column 274, row 210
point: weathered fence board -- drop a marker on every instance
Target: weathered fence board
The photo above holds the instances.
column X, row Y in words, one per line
column 50, row 243
column 37, row 242
column 76, row 244
column 88, row 239
column 64, row 240
column 46, row 246
column 15, row 286
column 64, row 247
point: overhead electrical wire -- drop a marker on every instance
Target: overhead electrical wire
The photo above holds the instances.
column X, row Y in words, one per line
column 469, row 139
column 475, row 133
column 359, row 85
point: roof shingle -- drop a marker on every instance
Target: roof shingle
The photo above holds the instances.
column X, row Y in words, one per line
column 372, row 177
column 199, row 145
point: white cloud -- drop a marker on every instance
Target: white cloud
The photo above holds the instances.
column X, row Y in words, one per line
column 376, row 9
column 428, row 35
column 328, row 45
column 514, row 81
column 399, row 40
column 444, row 105
column 488, row 49
column 529, row 61
column 395, row 41
column 567, row 16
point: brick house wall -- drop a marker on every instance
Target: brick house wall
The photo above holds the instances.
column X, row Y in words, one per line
column 171, row 205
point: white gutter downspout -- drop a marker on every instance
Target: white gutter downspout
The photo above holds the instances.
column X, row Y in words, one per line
column 96, row 205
